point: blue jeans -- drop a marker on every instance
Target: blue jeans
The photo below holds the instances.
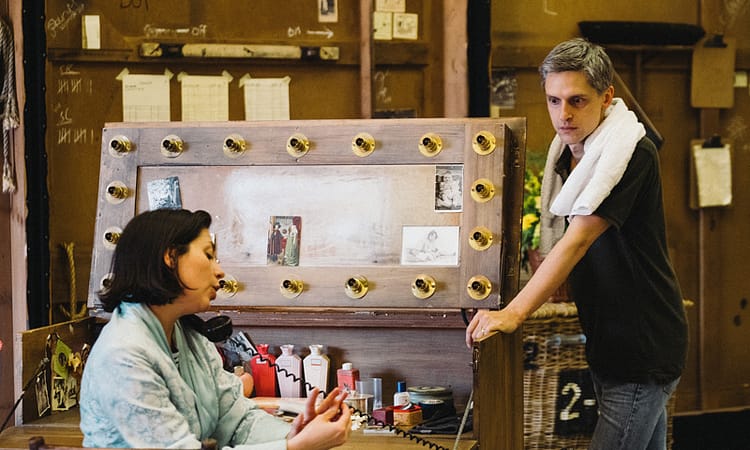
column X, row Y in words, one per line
column 631, row 416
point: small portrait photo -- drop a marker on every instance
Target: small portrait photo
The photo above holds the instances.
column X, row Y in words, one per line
column 164, row 193
column 284, row 240
column 328, row 11
column 59, row 394
column 430, row 246
column 503, row 87
column 71, row 392
column 42, row 394
column 448, row 188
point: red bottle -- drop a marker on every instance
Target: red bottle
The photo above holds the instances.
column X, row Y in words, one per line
column 264, row 375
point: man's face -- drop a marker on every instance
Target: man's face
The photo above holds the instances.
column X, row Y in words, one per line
column 575, row 108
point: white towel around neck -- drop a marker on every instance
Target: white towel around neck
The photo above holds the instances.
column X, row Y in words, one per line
column 607, row 152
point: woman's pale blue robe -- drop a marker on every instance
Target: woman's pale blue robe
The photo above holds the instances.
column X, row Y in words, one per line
column 134, row 394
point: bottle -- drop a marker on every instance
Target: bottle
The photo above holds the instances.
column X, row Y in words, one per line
column 264, row 375
column 401, row 397
column 316, row 366
column 290, row 379
column 247, row 380
column 347, row 377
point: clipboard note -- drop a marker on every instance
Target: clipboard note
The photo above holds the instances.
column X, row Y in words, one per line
column 266, row 98
column 713, row 175
column 205, row 98
column 145, row 98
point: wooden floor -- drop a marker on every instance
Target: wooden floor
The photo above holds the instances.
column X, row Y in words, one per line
column 61, row 430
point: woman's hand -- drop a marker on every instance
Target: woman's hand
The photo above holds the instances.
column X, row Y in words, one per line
column 323, row 426
column 485, row 322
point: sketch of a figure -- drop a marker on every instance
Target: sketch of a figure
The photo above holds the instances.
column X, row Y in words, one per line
column 430, row 246
column 427, row 249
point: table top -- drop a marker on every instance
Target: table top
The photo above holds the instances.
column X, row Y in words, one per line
column 61, row 430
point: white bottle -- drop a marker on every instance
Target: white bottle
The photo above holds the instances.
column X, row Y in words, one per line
column 401, row 397
column 316, row 366
column 290, row 379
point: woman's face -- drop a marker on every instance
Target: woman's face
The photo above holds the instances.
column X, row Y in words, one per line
column 200, row 272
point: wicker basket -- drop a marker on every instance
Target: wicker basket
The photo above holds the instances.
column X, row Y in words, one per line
column 559, row 406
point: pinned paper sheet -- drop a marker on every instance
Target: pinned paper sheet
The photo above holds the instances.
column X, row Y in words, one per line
column 91, row 32
column 205, row 97
column 382, row 26
column 405, row 26
column 712, row 168
column 145, row 98
column 266, row 98
column 328, row 11
column 390, row 5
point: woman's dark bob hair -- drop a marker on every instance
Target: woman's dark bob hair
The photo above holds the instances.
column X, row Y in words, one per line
column 139, row 273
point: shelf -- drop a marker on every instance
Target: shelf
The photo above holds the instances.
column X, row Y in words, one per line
column 346, row 318
column 309, row 54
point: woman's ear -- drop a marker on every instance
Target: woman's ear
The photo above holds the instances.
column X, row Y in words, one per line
column 169, row 258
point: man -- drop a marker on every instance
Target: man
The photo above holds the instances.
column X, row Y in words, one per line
column 602, row 196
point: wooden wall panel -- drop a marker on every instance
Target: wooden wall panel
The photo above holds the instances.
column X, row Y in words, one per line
column 727, row 312
column 129, row 21
column 6, row 291
column 546, row 22
column 6, row 309
column 14, row 313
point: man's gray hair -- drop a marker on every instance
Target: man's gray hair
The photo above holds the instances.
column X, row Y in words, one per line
column 580, row 55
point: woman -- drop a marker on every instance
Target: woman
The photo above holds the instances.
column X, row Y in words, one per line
column 153, row 381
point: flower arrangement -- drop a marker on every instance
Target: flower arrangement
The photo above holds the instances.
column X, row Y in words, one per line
column 532, row 211
column 532, row 205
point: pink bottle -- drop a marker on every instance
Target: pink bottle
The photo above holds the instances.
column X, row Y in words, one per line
column 347, row 377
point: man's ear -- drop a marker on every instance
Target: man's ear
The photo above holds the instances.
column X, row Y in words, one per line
column 169, row 258
column 609, row 95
